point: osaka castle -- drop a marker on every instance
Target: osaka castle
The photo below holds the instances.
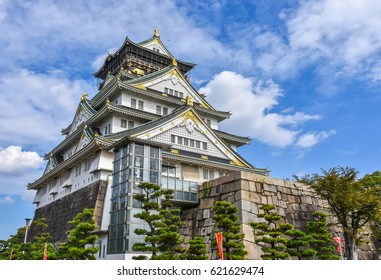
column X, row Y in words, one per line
column 146, row 123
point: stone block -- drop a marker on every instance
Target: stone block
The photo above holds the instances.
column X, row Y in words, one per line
column 274, row 199
column 208, row 222
column 206, row 214
column 252, row 186
column 206, row 203
column 248, row 217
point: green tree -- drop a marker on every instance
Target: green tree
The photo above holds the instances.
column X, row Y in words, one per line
column 225, row 215
column 270, row 234
column 353, row 201
column 33, row 250
column 298, row 244
column 41, row 238
column 197, row 249
column 169, row 238
column 321, row 242
column 149, row 198
column 81, row 240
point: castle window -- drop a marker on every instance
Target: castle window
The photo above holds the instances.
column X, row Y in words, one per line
column 133, row 103
column 204, row 145
column 140, row 105
column 208, row 174
column 88, row 164
column 108, row 129
column 173, row 138
column 165, row 111
column 78, row 170
column 158, row 110
column 198, row 143
column 130, row 124
column 123, row 123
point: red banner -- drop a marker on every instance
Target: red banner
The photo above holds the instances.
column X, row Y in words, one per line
column 338, row 240
column 219, row 245
column 45, row 252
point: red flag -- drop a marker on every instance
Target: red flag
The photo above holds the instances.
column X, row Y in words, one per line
column 338, row 240
column 219, row 245
column 10, row 257
column 45, row 252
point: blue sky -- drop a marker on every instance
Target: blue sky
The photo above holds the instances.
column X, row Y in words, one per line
column 302, row 78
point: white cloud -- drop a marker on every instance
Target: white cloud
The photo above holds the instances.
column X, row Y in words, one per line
column 340, row 35
column 54, row 31
column 15, row 161
column 252, row 102
column 310, row 139
column 6, row 199
column 35, row 107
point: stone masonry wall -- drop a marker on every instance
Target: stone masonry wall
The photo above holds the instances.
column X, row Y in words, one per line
column 59, row 212
column 248, row 191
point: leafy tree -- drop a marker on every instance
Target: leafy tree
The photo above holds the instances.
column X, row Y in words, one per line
column 81, row 240
column 33, row 250
column 13, row 243
column 41, row 238
column 227, row 221
column 298, row 244
column 353, row 201
column 197, row 249
column 150, row 215
column 270, row 234
column 168, row 230
column 321, row 237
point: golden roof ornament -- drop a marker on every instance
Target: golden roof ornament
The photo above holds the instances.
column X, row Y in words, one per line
column 84, row 96
column 188, row 100
column 174, row 62
column 156, row 33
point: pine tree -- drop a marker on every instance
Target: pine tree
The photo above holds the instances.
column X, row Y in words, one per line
column 197, row 249
column 81, row 240
column 225, row 215
column 298, row 244
column 150, row 215
column 321, row 237
column 168, row 230
column 270, row 235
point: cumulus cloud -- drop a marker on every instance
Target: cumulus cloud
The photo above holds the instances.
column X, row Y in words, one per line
column 35, row 106
column 310, row 139
column 15, row 161
column 252, row 103
column 341, row 36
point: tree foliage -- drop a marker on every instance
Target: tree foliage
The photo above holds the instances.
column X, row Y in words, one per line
column 353, row 201
column 271, row 234
column 162, row 238
column 149, row 198
column 81, row 239
column 197, row 249
column 168, row 230
column 32, row 250
column 321, row 238
column 298, row 244
column 227, row 221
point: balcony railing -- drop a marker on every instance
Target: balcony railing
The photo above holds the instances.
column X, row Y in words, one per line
column 185, row 191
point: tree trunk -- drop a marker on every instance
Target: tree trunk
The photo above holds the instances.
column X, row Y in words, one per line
column 350, row 247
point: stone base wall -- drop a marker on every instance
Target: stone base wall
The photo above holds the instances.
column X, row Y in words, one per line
column 248, row 191
column 60, row 212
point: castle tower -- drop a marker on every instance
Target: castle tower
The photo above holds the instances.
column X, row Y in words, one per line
column 147, row 123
